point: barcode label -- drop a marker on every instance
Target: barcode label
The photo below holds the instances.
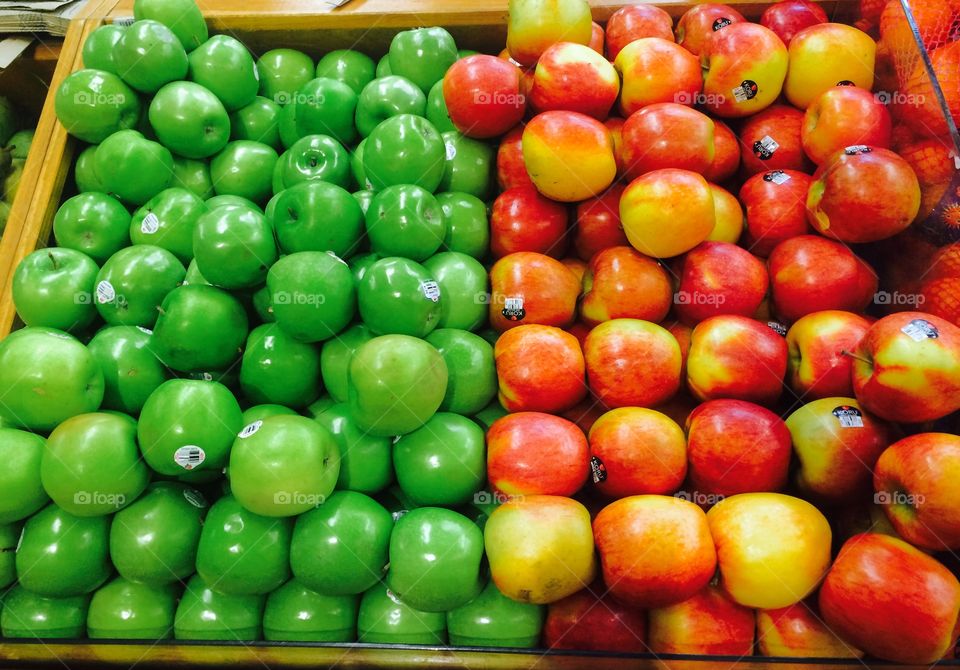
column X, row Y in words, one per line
column 189, row 457
column 150, row 224
column 778, row 177
column 849, row 417
column 105, row 292
column 919, row 330
column 431, row 290
column 250, row 429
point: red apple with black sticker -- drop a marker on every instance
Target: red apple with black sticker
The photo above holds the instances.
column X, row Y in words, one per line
column 772, row 140
column 698, row 24
column 539, row 289
column 844, row 116
column 744, row 67
column 775, row 209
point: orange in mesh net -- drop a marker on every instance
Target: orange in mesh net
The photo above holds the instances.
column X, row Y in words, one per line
column 941, row 297
column 945, row 263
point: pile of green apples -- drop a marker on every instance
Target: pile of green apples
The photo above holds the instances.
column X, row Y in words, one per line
column 250, row 393
column 15, row 140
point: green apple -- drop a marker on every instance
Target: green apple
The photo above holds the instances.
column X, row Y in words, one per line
column 399, row 296
column 93, row 223
column 193, row 175
column 30, row 615
column 133, row 283
column 257, row 122
column 282, row 73
column 9, row 539
column 404, row 149
column 313, row 157
column 242, row 553
column 397, row 382
column 21, row 491
column 148, row 55
column 444, row 462
column 54, row 288
column 364, row 198
column 244, row 168
column 383, row 66
column 468, row 166
column 283, row 466
column 295, row 613
column 325, row 106
column 262, row 305
column 189, row 120
column 435, row 557
column 350, row 66
column 187, row 425
column 340, row 548
column 183, row 17
column 494, row 620
column 255, row 413
column 234, row 247
column 423, row 55
column 490, row 413
column 133, row 167
column 19, row 144
column 387, row 96
column 94, row 104
column 319, row 406
column 224, row 66
column 199, row 328
column 167, row 221
column 405, row 220
column 276, row 368
column 463, row 285
column 385, row 619
column 46, row 376
column 335, row 359
column 131, row 371
column 437, row 113
column 361, row 263
column 472, row 382
column 91, row 465
column 287, row 124
column 313, row 295
column 205, row 614
column 366, row 464
column 193, row 275
column 85, row 173
column 125, row 610
column 468, row 231
column 63, row 555
column 232, row 202
column 99, row 48
column 317, row 216
column 154, row 540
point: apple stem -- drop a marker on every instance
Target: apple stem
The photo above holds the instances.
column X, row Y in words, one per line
column 856, row 356
column 53, row 259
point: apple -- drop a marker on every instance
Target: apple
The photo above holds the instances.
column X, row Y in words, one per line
column 484, row 96
column 316, row 158
column 729, row 218
column 863, row 194
column 772, row 140
column 472, row 378
column 54, row 288
column 745, row 65
column 527, row 287
column 531, row 453
column 775, row 209
column 910, row 480
column 554, row 559
column 798, row 631
column 654, row 69
column 736, row 357
column 811, row 274
column 907, row 368
column 623, row 283
column 719, row 278
column 276, row 368
column 615, row 125
column 575, row 78
column 635, row 22
column 30, row 615
column 524, row 220
column 685, row 559
column 844, row 116
column 132, row 167
column 383, row 618
column 317, row 216
column 442, row 462
column 591, row 619
column 295, row 613
column 312, row 294
column 533, row 26
column 192, row 175
column 422, row 55
column 183, row 17
column 539, row 369
column 825, row 55
column 632, row 363
column 167, row 220
column 818, row 365
column 134, row 282
column 568, row 155
column 598, row 223
column 635, row 451
column 384, row 97
column 93, row 104
column 891, row 600
column 708, row 623
column 21, row 489
column 205, row 614
column 99, row 46
column 148, row 55
column 93, row 223
column 726, row 154
column 467, row 168
column 667, row 135
column 787, row 18
column 734, row 446
column 493, row 620
column 258, row 122
column 189, row 120
column 466, row 219
column 234, row 247
column 511, row 170
column 772, row 549
column 698, row 24
column 681, row 197
column 125, row 610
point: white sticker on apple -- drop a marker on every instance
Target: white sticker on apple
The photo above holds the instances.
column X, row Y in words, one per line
column 105, row 292
column 250, row 430
column 189, row 457
column 150, row 224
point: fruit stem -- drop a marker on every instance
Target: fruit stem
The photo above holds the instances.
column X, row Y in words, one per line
column 53, row 259
column 856, row 356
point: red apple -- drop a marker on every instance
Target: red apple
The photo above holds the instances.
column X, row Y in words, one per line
column 798, row 631
column 597, row 38
column 593, row 620
column 719, row 278
column 844, row 116
column 530, row 453
column 576, row 266
column 728, row 216
column 540, row 290
column 540, row 369
column 736, row 357
column 484, row 96
column 667, row 135
column 635, row 451
column 811, row 274
column 524, row 220
column 915, row 482
column 576, row 78
column 654, row 550
column 615, row 125
column 818, row 365
column 634, row 22
column 788, row 17
column 709, row 623
column 863, row 194
column 623, row 283
column 697, row 26
column 632, row 363
column 825, row 55
column 907, row 368
column 726, row 153
column 682, row 333
column 657, row 70
column 744, row 68
column 775, row 205
column 511, row 170
column 772, row 140
column 891, row 600
column 736, row 447
column 598, row 223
